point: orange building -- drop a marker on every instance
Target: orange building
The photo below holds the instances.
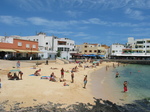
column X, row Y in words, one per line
column 18, row 49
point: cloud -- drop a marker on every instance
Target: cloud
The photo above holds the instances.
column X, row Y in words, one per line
column 38, row 21
column 10, row 20
column 51, row 5
column 73, row 14
column 55, row 32
column 51, row 23
column 135, row 14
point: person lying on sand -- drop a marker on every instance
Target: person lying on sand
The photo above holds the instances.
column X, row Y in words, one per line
column 67, row 71
column 62, row 80
column 65, row 84
column 53, row 68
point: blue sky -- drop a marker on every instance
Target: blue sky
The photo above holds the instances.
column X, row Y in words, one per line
column 91, row 21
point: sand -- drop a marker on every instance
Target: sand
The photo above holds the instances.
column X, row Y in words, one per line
column 33, row 90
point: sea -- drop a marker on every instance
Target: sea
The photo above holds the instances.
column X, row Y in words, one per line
column 137, row 77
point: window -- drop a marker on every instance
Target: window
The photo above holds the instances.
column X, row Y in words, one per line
column 85, row 51
column 19, row 43
column 90, row 50
column 37, row 40
column 33, row 46
column 27, row 45
column 85, row 46
column 95, row 50
column 46, row 43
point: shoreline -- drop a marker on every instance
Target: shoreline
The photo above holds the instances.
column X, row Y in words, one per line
column 104, row 86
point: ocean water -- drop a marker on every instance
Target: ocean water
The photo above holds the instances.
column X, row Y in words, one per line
column 138, row 78
column 105, row 85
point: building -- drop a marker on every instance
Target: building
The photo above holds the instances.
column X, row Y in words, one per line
column 65, row 46
column 133, row 49
column 51, row 46
column 17, row 48
column 116, row 49
column 96, row 49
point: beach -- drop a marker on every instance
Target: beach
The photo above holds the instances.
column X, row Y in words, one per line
column 33, row 90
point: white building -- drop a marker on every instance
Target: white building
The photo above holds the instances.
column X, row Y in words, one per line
column 51, row 45
column 137, row 47
column 134, row 49
column 65, row 46
column 116, row 49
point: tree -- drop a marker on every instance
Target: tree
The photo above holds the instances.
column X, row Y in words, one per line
column 58, row 53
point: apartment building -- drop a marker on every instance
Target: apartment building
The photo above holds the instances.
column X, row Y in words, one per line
column 133, row 49
column 87, row 48
column 50, row 46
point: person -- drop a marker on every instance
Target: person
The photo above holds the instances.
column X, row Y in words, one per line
column 15, row 77
column 106, row 67
column 0, row 83
column 18, row 64
column 9, row 75
column 6, row 56
column 125, row 86
column 117, row 74
column 37, row 72
column 20, row 73
column 52, row 77
column 62, row 73
column 85, row 81
column 72, row 77
column 65, row 84
column 46, row 62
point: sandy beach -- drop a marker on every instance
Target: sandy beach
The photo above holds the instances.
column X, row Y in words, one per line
column 33, row 90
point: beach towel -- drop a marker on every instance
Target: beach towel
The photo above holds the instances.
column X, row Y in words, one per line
column 45, row 77
column 32, row 75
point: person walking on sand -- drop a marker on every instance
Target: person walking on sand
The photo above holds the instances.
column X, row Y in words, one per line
column 62, row 73
column 125, row 86
column 18, row 64
column 72, row 77
column 85, row 81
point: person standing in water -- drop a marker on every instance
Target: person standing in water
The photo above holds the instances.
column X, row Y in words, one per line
column 85, row 81
column 125, row 86
column 117, row 74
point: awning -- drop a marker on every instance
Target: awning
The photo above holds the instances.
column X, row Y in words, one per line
column 22, row 50
column 36, row 51
column 30, row 51
column 7, row 50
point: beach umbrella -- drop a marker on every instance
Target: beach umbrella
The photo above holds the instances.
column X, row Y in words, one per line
column 95, row 62
column 14, row 70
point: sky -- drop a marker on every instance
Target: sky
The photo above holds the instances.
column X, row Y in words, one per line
column 84, row 21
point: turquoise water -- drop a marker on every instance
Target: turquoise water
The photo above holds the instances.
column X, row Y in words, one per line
column 138, row 77
column 104, row 83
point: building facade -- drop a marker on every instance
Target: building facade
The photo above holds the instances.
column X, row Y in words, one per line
column 133, row 49
column 18, row 48
column 50, row 46
column 96, row 49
